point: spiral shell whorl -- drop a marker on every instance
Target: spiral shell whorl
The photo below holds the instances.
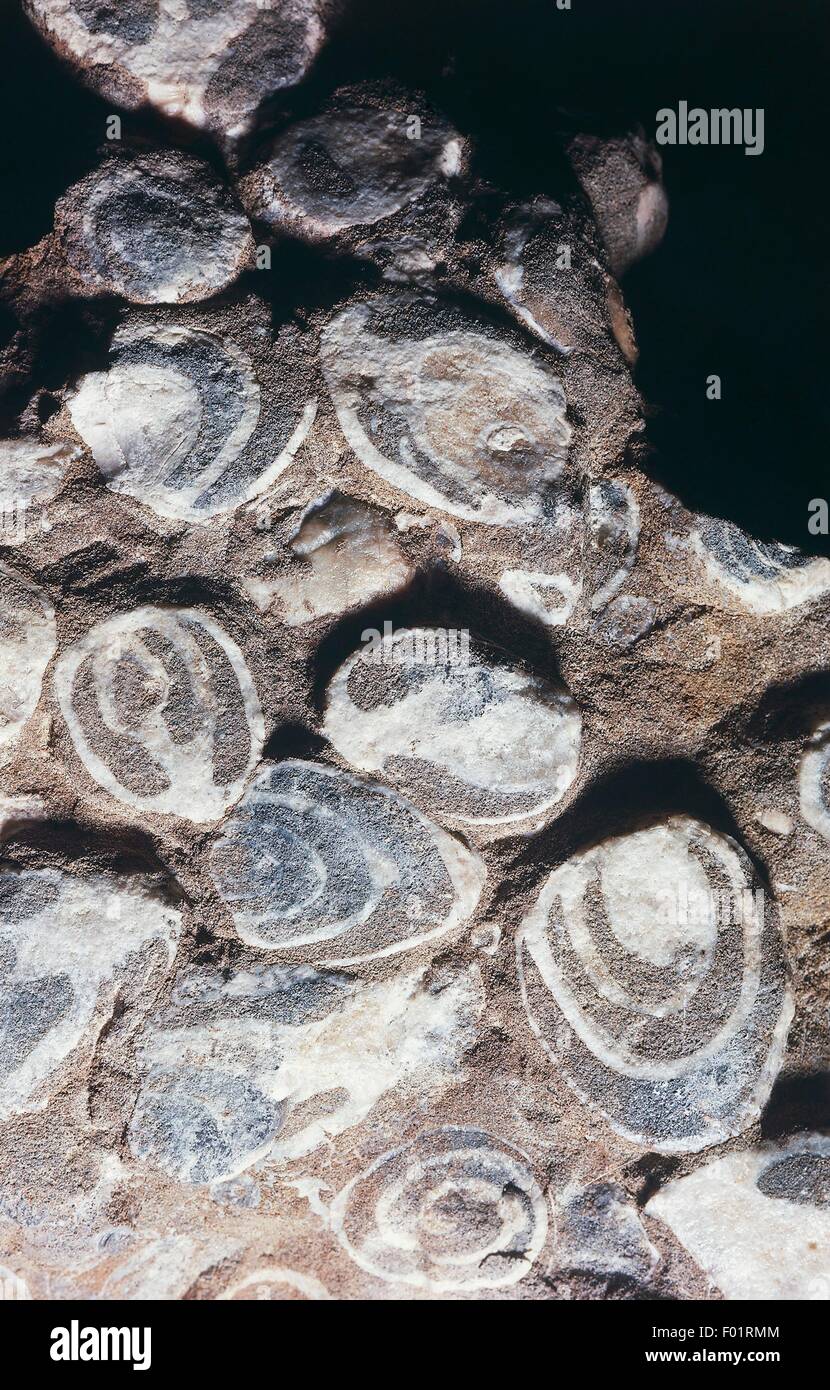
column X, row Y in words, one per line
column 455, row 1210
column 654, row 981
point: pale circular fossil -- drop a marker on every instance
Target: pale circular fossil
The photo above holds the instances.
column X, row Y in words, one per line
column 181, row 421
column 313, row 857
column 467, row 735
column 446, row 411
column 162, row 711
column 209, row 62
column 656, row 979
column 814, row 781
column 763, row 576
column 454, row 1211
column 28, row 639
column 352, row 166
column 156, row 228
column 65, row 942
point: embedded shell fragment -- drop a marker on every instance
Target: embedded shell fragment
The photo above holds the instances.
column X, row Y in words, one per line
column 63, row 941
column 162, row 711
column 208, row 63
column 317, row 859
column 672, row 1022
column 457, row 1209
column 446, row 412
column 439, row 725
column 622, row 177
column 27, row 644
column 757, row 1220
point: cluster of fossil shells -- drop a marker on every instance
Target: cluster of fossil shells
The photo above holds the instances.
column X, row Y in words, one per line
column 389, row 887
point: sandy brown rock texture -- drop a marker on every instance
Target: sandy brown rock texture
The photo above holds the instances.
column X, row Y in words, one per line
column 415, row 820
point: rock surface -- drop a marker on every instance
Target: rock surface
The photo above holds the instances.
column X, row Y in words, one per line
column 622, row 178
column 414, row 821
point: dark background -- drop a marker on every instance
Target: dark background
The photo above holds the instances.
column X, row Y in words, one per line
column 739, row 286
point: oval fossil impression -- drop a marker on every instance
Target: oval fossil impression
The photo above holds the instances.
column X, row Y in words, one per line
column 156, row 228
column 351, row 166
column 454, row 1211
column 182, row 421
column 762, row 576
column 162, row 711
column 313, row 857
column 657, row 986
column 447, row 411
column 468, row 736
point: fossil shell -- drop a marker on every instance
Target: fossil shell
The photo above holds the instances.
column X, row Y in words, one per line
column 660, row 1012
column 155, row 228
column 211, row 62
column 350, row 167
column 600, row 550
column 763, row 576
column 27, row 645
column 31, row 471
column 313, row 857
column 446, row 411
column 344, row 554
column 454, row 1211
column 598, row 1230
column 181, row 421
column 758, row 1221
column 65, row 945
column 814, row 781
column 475, row 741
column 162, row 711
column 262, row 1063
